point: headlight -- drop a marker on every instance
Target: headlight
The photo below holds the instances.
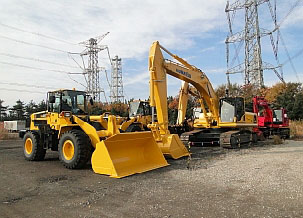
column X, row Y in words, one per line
column 65, row 114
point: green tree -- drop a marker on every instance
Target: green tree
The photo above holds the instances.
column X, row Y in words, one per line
column 297, row 110
column 233, row 90
column 290, row 99
column 18, row 110
column 30, row 108
column 41, row 106
column 3, row 110
column 271, row 93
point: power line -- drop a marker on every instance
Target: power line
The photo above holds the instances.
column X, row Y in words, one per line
column 289, row 58
column 287, row 15
column 108, row 54
column 36, row 59
column 39, row 34
column 28, row 43
column 27, row 85
column 294, row 56
column 76, row 81
column 36, row 68
column 60, row 71
column 20, row 90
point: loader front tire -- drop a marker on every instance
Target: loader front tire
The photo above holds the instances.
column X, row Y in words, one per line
column 32, row 149
column 74, row 149
column 133, row 128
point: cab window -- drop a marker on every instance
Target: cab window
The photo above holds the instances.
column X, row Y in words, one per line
column 55, row 107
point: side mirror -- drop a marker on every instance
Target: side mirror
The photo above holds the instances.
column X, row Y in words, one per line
column 91, row 101
column 51, row 99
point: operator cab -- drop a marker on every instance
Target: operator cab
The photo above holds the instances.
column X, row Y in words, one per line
column 139, row 108
column 67, row 100
column 230, row 108
column 280, row 116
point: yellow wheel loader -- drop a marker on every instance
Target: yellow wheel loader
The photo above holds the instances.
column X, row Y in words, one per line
column 67, row 128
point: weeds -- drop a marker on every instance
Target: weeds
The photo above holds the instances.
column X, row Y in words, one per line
column 277, row 140
column 296, row 129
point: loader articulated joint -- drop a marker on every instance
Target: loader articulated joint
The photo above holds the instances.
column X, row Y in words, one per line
column 86, row 119
column 22, row 133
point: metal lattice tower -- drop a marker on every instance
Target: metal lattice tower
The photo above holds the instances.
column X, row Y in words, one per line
column 93, row 70
column 253, row 65
column 116, row 88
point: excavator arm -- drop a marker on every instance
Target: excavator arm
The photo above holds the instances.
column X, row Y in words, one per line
column 184, row 93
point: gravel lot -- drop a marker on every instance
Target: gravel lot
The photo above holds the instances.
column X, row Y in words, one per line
column 262, row 181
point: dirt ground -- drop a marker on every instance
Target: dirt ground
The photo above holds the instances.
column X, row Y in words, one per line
column 262, row 181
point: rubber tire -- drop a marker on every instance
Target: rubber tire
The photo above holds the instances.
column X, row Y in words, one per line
column 82, row 149
column 133, row 128
column 287, row 135
column 38, row 152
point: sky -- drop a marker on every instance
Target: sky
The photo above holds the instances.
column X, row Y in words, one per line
column 31, row 65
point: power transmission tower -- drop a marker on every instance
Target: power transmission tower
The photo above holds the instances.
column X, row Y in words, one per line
column 116, row 88
column 253, row 65
column 93, row 70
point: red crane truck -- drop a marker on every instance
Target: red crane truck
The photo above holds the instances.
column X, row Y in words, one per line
column 270, row 121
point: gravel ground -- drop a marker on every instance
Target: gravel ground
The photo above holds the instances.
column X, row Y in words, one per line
column 261, row 181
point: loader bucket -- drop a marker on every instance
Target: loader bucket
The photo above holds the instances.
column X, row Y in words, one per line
column 126, row 154
column 173, row 147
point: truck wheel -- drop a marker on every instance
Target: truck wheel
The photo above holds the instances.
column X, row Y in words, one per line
column 287, row 135
column 32, row 149
column 74, row 149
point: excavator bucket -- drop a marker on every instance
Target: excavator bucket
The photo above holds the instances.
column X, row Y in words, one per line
column 173, row 147
column 126, row 154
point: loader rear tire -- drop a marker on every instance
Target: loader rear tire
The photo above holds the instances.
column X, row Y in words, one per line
column 32, row 149
column 74, row 149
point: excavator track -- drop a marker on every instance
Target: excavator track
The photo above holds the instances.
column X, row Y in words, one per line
column 217, row 137
column 234, row 139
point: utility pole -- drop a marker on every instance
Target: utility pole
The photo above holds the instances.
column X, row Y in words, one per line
column 253, row 65
column 93, row 70
column 116, row 88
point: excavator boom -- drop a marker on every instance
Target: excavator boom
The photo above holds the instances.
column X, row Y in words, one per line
column 170, row 144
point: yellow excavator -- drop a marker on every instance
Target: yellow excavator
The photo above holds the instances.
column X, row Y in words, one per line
column 223, row 121
column 66, row 127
